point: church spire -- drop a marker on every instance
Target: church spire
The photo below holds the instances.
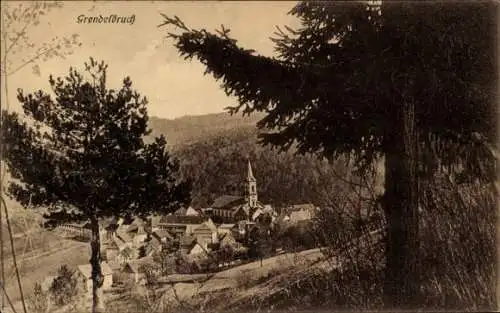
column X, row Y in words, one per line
column 251, row 187
column 250, row 177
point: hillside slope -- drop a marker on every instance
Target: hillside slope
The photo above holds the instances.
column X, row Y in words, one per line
column 213, row 151
column 189, row 129
column 218, row 164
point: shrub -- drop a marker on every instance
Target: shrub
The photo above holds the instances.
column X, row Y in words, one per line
column 38, row 302
column 458, row 233
column 150, row 273
column 64, row 288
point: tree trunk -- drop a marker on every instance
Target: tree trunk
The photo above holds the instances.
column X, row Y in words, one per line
column 402, row 285
column 95, row 261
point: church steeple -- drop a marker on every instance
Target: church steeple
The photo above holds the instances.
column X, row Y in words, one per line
column 251, row 187
column 250, row 173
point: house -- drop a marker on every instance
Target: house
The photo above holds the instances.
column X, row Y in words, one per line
column 198, row 249
column 300, row 207
column 244, row 227
column 205, row 234
column 227, row 228
column 152, row 245
column 162, row 235
column 111, row 250
column 227, row 239
column 301, row 212
column 299, row 216
column 136, row 231
column 140, row 236
column 179, row 225
column 124, row 236
column 116, row 268
column 187, row 212
column 186, row 243
column 85, row 270
column 134, row 268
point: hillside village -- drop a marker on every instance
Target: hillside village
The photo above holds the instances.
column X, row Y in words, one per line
column 189, row 240
column 351, row 165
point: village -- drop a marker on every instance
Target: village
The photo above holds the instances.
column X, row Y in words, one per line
column 232, row 231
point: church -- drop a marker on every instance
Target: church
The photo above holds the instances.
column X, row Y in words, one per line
column 232, row 209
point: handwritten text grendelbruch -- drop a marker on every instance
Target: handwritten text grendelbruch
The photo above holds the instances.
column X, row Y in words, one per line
column 106, row 19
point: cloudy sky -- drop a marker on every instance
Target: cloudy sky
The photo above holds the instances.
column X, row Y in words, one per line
column 174, row 87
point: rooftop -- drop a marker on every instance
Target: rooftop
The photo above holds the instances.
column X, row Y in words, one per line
column 136, row 264
column 227, row 226
column 226, row 201
column 177, row 219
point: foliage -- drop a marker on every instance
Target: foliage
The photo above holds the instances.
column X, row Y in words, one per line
column 20, row 50
column 351, row 67
column 459, row 260
column 17, row 20
column 226, row 254
column 217, row 166
column 81, row 155
column 64, row 288
column 298, row 237
column 352, row 115
column 220, row 255
column 184, row 265
column 150, row 272
column 166, row 260
column 38, row 302
column 126, row 254
column 88, row 129
column 259, row 242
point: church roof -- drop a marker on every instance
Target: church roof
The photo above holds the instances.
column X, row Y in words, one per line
column 227, row 201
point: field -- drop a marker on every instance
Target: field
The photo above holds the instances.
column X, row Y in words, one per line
column 43, row 261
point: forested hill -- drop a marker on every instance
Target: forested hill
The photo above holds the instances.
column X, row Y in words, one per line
column 189, row 129
column 213, row 150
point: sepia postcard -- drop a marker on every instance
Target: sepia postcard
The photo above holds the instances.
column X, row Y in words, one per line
column 248, row 156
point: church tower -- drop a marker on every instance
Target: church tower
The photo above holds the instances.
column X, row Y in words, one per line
column 251, row 188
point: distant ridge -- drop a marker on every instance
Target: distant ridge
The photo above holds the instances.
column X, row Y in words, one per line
column 189, row 129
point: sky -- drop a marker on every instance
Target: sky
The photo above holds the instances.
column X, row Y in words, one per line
column 174, row 87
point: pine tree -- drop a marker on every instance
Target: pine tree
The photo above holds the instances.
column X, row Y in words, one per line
column 412, row 83
column 81, row 156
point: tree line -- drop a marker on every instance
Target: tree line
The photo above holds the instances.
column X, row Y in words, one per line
column 217, row 166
